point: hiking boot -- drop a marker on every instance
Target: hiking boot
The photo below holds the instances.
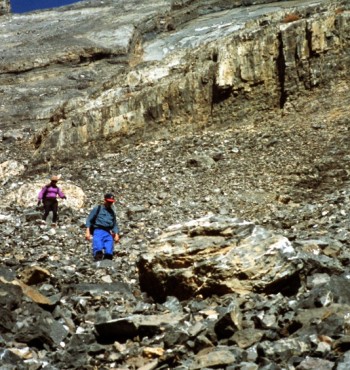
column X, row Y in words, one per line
column 98, row 256
column 108, row 256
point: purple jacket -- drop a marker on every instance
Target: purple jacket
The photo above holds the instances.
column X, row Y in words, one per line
column 50, row 191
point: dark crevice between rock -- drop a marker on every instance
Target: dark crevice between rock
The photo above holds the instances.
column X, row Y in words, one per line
column 150, row 285
column 281, row 68
column 290, row 329
column 342, row 347
column 173, row 286
column 105, row 333
column 287, row 287
column 215, row 57
column 153, row 113
column 206, row 232
column 308, row 36
column 95, row 57
column 38, row 141
column 59, row 114
column 109, row 332
column 220, row 94
column 216, row 290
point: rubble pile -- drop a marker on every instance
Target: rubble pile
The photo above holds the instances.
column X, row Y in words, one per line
column 234, row 252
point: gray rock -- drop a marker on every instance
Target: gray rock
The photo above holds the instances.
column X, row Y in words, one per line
column 214, row 358
column 344, row 362
column 132, row 326
column 127, row 97
column 245, row 338
column 284, row 349
column 312, row 363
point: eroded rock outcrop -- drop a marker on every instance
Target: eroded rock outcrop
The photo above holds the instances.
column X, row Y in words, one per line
column 134, row 71
column 218, row 255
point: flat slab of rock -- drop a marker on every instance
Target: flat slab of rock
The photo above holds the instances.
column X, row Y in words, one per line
column 131, row 326
column 30, row 292
column 215, row 255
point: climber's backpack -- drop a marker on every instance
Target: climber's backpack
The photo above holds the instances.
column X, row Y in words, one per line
column 92, row 227
column 93, row 220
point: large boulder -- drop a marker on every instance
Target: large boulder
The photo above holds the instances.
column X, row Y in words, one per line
column 27, row 194
column 218, row 255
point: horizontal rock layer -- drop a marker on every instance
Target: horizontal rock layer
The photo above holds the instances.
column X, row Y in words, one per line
column 116, row 70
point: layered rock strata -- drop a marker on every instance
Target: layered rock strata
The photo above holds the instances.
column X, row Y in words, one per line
column 148, row 71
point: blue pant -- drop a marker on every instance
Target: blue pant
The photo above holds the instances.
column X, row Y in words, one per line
column 102, row 240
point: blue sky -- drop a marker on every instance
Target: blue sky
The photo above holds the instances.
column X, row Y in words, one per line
column 22, row 6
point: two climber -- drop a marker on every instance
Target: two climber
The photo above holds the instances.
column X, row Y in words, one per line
column 101, row 224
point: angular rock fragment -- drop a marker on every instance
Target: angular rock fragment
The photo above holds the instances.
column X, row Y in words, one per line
column 213, row 358
column 132, row 326
column 34, row 275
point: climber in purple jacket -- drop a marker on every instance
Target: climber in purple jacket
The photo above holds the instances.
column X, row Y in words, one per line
column 48, row 195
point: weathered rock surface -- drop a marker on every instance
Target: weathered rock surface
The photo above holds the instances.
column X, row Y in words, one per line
column 218, row 255
column 284, row 170
column 115, row 69
column 22, row 194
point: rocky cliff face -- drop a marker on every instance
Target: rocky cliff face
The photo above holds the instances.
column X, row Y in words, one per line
column 5, row 7
column 96, row 72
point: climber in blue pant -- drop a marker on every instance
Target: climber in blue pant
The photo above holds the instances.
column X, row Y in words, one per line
column 102, row 229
